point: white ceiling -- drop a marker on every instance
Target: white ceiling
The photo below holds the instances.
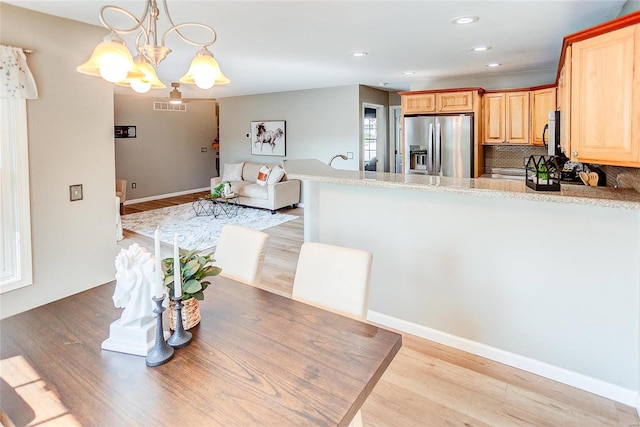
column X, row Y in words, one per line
column 272, row 46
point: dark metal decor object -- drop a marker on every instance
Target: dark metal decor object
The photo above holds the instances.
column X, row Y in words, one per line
column 180, row 338
column 542, row 173
column 161, row 352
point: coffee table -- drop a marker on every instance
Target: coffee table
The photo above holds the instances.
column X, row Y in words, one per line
column 203, row 206
column 227, row 205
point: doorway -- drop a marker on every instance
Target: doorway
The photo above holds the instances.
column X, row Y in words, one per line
column 374, row 152
column 395, row 138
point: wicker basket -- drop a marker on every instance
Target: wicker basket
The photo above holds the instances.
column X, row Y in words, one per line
column 190, row 314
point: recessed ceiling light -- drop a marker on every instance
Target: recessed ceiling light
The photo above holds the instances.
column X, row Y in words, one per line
column 464, row 20
column 480, row 48
column 357, row 54
column 408, row 73
column 494, row 64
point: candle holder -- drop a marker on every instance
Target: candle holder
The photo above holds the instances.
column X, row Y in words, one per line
column 180, row 337
column 161, row 352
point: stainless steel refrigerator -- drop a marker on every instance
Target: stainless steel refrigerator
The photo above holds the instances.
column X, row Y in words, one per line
column 439, row 145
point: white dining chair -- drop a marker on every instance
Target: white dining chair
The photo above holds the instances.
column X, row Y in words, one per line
column 334, row 278
column 240, row 253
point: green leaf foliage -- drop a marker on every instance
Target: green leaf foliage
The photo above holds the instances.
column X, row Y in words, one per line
column 194, row 267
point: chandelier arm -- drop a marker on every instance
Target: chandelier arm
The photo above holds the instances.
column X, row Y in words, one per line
column 185, row 39
column 175, row 28
column 138, row 25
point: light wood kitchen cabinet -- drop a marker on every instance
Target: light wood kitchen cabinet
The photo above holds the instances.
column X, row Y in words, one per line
column 493, row 115
column 541, row 102
column 506, row 118
column 605, row 98
column 517, row 118
column 419, row 103
column 438, row 102
column 454, row 102
column 564, row 103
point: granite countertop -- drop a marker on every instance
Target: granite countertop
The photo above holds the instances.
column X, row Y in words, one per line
column 315, row 170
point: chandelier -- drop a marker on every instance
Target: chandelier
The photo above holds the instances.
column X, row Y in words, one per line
column 112, row 61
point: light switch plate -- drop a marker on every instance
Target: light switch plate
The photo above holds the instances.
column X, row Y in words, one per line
column 75, row 192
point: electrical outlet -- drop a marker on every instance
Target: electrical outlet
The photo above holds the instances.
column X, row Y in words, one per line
column 203, row 149
column 133, row 185
column 349, row 155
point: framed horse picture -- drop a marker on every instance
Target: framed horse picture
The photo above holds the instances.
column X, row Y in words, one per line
column 268, row 138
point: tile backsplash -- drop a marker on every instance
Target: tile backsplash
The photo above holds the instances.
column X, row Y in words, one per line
column 513, row 157
column 510, row 156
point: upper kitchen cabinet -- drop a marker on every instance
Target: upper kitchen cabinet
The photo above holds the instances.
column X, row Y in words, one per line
column 563, row 102
column 605, row 98
column 506, row 117
column 443, row 101
column 455, row 102
column 418, row 103
column 541, row 102
column 598, row 95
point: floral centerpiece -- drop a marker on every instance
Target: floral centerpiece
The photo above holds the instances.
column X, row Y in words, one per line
column 195, row 269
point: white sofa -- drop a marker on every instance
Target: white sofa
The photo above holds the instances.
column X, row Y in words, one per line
column 244, row 176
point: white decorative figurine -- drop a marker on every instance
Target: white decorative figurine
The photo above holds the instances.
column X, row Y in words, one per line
column 134, row 332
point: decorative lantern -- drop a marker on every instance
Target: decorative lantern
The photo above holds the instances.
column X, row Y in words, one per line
column 543, row 174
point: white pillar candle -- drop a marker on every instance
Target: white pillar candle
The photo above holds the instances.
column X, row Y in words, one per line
column 159, row 282
column 177, row 277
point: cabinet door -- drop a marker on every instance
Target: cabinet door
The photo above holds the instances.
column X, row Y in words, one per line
column 542, row 101
column 455, row 101
column 564, row 88
column 602, row 98
column 494, row 115
column 419, row 103
column 517, row 120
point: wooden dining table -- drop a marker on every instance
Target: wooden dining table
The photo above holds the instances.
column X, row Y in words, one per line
column 256, row 359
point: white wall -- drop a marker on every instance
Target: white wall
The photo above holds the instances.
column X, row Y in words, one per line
column 319, row 124
column 491, row 80
column 552, row 288
column 166, row 155
column 70, row 142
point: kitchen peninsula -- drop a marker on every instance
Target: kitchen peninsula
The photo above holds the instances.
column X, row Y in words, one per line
column 547, row 282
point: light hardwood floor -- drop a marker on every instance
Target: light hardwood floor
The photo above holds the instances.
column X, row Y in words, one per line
column 429, row 384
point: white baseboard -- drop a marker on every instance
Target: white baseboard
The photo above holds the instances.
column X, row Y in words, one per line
column 164, row 196
column 574, row 379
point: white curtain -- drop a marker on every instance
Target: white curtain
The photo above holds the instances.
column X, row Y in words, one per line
column 16, row 80
column 16, row 85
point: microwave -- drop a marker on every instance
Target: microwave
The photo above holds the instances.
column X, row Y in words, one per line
column 553, row 128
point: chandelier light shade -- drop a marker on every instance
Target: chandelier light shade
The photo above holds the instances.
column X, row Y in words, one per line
column 204, row 71
column 112, row 61
column 149, row 79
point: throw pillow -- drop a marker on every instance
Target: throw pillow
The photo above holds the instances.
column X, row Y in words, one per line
column 232, row 171
column 263, row 175
column 276, row 175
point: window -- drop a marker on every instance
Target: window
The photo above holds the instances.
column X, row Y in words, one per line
column 15, row 268
column 370, row 137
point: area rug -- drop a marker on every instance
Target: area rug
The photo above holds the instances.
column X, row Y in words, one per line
column 197, row 232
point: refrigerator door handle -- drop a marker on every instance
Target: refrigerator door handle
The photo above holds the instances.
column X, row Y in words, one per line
column 430, row 158
column 438, row 154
